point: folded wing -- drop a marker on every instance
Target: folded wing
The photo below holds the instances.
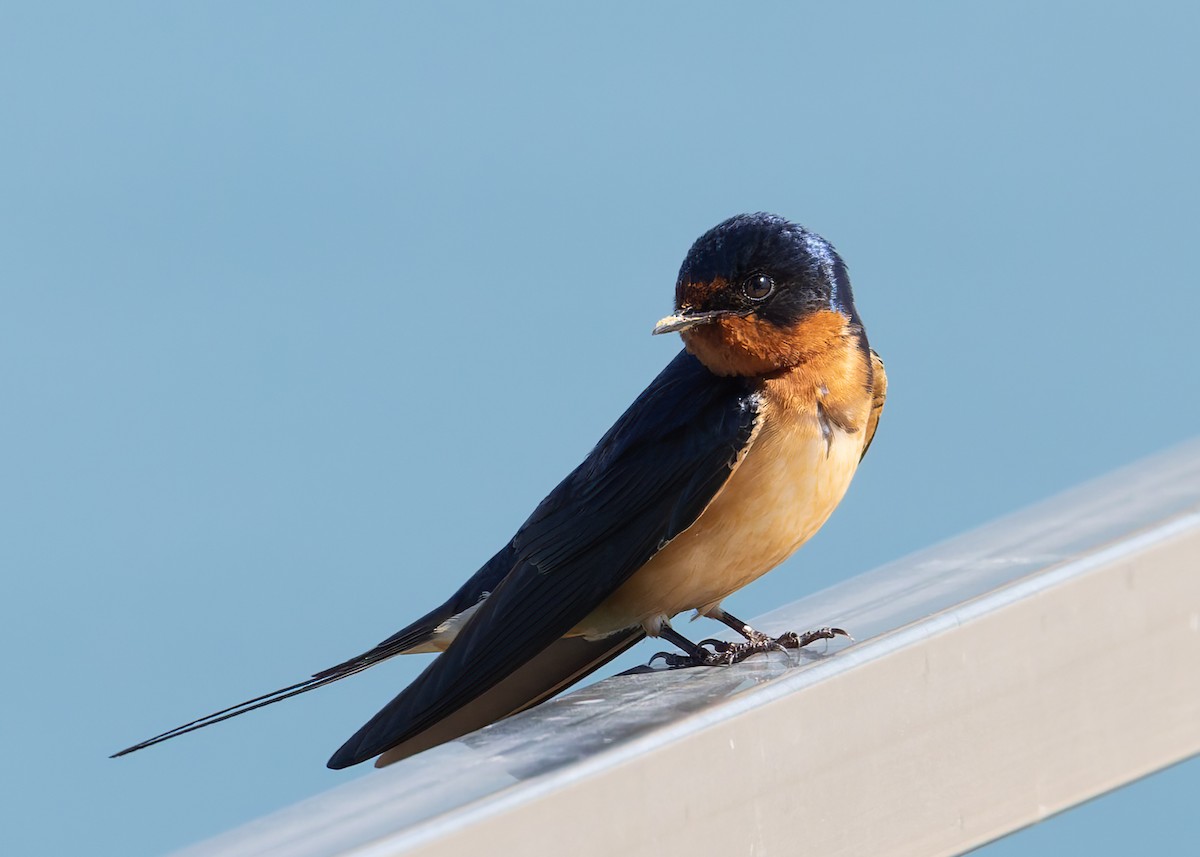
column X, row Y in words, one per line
column 646, row 481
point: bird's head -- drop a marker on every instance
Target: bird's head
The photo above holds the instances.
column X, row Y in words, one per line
column 757, row 294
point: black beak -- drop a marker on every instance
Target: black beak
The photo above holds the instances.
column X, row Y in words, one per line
column 684, row 320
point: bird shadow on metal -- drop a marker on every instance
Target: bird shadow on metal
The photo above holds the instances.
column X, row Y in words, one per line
column 623, row 708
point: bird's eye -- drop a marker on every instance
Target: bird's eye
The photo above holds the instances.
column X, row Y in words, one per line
column 758, row 286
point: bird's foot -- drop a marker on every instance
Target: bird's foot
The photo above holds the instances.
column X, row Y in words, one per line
column 792, row 640
column 702, row 657
column 715, row 653
column 758, row 643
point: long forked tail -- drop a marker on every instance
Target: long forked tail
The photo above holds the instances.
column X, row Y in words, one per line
column 395, row 645
column 406, row 639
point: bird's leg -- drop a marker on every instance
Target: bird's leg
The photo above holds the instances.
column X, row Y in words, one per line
column 697, row 655
column 724, row 616
column 757, row 641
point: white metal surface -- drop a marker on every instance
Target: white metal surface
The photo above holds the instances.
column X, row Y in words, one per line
column 999, row 677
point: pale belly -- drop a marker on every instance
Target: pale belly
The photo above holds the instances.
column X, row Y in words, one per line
column 787, row 486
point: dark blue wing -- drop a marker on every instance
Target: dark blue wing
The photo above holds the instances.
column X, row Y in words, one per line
column 646, row 481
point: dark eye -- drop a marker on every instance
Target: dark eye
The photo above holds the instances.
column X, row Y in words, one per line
column 758, row 286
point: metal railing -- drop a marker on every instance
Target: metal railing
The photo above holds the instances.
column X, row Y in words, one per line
column 999, row 677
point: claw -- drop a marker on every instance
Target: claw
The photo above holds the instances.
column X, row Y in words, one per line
column 671, row 659
column 792, row 640
column 722, row 654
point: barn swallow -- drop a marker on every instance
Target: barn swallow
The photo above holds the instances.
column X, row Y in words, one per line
column 730, row 460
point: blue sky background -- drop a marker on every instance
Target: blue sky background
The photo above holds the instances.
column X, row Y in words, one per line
column 305, row 306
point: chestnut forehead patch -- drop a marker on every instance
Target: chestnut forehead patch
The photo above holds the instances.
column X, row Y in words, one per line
column 701, row 295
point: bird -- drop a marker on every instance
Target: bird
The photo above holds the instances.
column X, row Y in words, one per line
column 730, row 460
